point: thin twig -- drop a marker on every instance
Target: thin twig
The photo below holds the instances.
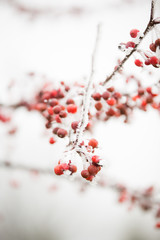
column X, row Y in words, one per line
column 87, row 95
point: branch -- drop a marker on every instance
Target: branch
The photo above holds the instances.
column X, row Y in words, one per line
column 87, row 95
column 149, row 27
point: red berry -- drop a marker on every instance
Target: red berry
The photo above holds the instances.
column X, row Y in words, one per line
column 93, row 170
column 72, row 108
column 93, row 143
column 154, row 60
column 110, row 112
column 50, row 110
column 147, row 62
column 85, row 173
column 70, row 101
column 73, row 168
column 157, row 42
column 95, row 159
column 53, row 102
column 74, row 125
column 61, row 133
column 152, row 47
column 58, row 170
column 64, row 166
column 138, row 63
column 52, row 140
column 57, row 109
column 63, row 114
column 98, row 106
column 110, row 89
column 57, row 119
column 90, row 178
column 130, row 44
column 96, row 96
column 157, row 225
column 105, row 95
column 111, row 101
column 133, row 33
column 55, row 130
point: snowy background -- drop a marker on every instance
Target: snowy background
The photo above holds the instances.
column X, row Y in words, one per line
column 58, row 46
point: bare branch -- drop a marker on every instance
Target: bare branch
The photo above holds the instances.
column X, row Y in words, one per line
column 87, row 95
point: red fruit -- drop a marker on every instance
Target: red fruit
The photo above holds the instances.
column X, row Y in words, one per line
column 61, row 133
column 98, row 106
column 138, row 63
column 50, row 111
column 157, row 225
column 57, row 119
column 143, row 103
column 72, row 108
column 95, row 159
column 157, row 42
column 53, row 102
column 57, row 109
column 52, row 140
column 70, row 101
column 74, row 125
column 105, row 95
column 85, row 173
column 64, row 166
column 130, row 44
column 58, row 170
column 149, row 90
column 133, row 33
column 154, row 60
column 93, row 170
column 73, row 168
column 152, row 47
column 147, row 62
column 90, row 178
column 63, row 114
column 53, row 94
column 48, row 125
column 110, row 89
column 55, row 130
column 93, row 143
column 96, row 96
column 117, row 95
column 110, row 112
column 111, row 101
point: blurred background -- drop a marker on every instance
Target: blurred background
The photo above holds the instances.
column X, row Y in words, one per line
column 54, row 39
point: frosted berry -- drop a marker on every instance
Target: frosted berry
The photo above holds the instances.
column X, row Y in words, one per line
column 63, row 114
column 55, row 130
column 52, row 140
column 96, row 96
column 85, row 173
column 61, row 133
column 105, row 95
column 93, row 170
column 111, row 101
column 72, row 108
column 157, row 42
column 154, row 60
column 98, row 106
column 70, row 101
column 74, row 125
column 93, row 143
column 133, row 33
column 50, row 110
column 138, row 63
column 130, row 44
column 95, row 159
column 152, row 47
column 73, row 168
column 57, row 109
column 58, row 170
